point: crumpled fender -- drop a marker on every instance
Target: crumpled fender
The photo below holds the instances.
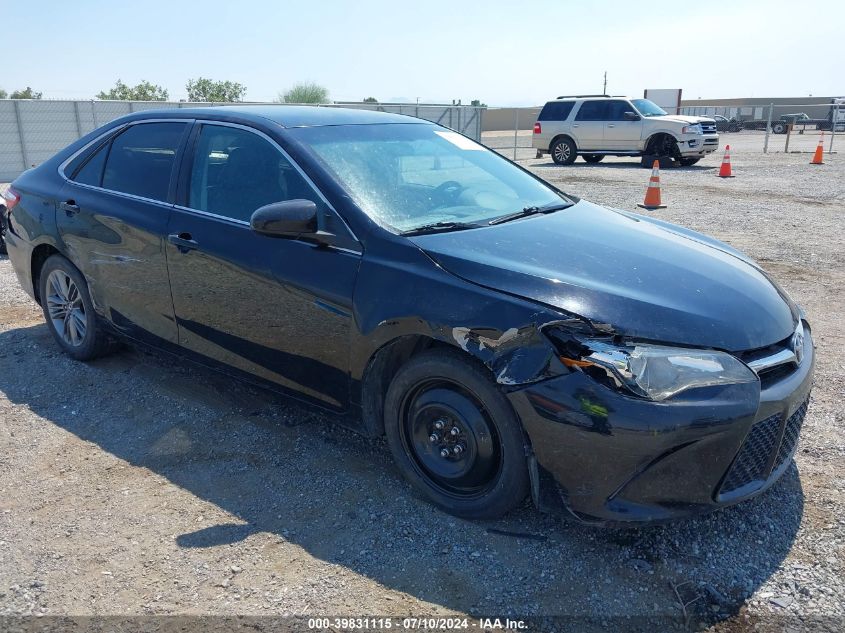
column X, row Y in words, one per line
column 501, row 331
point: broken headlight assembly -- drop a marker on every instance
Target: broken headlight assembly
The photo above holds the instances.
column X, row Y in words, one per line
column 654, row 372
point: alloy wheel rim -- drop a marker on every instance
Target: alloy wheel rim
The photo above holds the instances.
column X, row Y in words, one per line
column 450, row 439
column 66, row 309
column 562, row 151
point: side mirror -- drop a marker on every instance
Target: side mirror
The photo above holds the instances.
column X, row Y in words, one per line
column 631, row 116
column 291, row 218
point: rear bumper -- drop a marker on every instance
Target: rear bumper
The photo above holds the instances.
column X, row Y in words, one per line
column 608, row 458
column 20, row 255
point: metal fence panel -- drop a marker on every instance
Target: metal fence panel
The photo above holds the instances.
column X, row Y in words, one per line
column 11, row 153
column 31, row 131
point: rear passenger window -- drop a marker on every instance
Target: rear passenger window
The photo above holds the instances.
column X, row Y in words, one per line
column 592, row 111
column 141, row 159
column 92, row 171
column 556, row 111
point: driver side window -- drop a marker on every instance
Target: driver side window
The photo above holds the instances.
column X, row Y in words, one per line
column 235, row 172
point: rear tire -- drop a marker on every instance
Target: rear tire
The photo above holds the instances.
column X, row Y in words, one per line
column 2, row 230
column 69, row 311
column 563, row 151
column 779, row 128
column 439, row 401
column 592, row 158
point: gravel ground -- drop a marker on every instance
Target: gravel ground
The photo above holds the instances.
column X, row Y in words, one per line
column 135, row 485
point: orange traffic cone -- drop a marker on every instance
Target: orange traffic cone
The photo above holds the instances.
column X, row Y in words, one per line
column 652, row 194
column 725, row 169
column 819, row 155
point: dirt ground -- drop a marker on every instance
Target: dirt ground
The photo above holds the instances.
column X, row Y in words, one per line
column 138, row 486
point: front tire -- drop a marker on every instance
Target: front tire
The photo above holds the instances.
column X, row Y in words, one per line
column 592, row 158
column 454, row 436
column 688, row 162
column 69, row 311
column 664, row 146
column 563, row 151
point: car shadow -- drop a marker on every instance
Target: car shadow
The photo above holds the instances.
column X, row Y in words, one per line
column 281, row 469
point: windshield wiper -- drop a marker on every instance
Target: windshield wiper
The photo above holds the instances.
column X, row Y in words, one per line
column 436, row 227
column 530, row 211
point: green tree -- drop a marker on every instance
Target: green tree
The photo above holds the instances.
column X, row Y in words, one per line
column 27, row 93
column 477, row 103
column 144, row 91
column 370, row 100
column 305, row 92
column 3, row 94
column 202, row 89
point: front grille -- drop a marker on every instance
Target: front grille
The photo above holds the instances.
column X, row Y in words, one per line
column 708, row 128
column 754, row 456
column 790, row 433
column 754, row 461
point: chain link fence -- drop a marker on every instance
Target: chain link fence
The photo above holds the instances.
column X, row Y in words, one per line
column 31, row 131
column 776, row 127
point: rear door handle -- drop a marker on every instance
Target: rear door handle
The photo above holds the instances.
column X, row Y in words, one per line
column 610, row 125
column 183, row 241
column 69, row 207
column 575, row 125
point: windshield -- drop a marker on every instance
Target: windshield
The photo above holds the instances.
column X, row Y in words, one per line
column 407, row 176
column 648, row 108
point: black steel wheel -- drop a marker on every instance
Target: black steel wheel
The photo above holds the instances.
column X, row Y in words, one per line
column 454, row 436
column 69, row 311
column 563, row 151
column 592, row 158
column 664, row 146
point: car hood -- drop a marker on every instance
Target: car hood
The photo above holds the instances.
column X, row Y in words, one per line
column 682, row 118
column 639, row 277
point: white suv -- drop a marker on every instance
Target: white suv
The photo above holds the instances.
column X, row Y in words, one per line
column 595, row 126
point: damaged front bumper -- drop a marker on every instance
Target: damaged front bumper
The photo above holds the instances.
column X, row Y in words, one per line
column 698, row 145
column 615, row 459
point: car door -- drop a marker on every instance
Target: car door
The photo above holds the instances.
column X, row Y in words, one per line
column 620, row 133
column 112, row 217
column 279, row 309
column 588, row 126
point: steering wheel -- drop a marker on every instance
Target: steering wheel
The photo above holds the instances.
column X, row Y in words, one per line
column 448, row 191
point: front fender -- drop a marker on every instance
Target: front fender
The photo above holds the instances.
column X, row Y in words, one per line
column 419, row 298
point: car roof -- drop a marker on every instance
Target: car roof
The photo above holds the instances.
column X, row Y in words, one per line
column 286, row 115
column 588, row 97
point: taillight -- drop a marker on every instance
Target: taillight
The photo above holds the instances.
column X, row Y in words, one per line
column 537, row 128
column 10, row 199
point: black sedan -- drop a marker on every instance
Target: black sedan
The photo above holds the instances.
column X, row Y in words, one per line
column 506, row 337
column 724, row 124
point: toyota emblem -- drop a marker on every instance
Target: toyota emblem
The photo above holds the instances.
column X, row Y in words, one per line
column 798, row 344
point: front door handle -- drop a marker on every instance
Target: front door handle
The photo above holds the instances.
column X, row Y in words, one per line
column 610, row 125
column 69, row 207
column 183, row 241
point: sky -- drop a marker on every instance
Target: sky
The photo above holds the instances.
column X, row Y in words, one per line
column 503, row 52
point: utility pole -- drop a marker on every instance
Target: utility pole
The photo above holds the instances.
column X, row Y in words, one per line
column 604, row 89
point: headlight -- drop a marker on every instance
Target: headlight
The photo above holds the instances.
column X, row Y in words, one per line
column 692, row 129
column 654, row 371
